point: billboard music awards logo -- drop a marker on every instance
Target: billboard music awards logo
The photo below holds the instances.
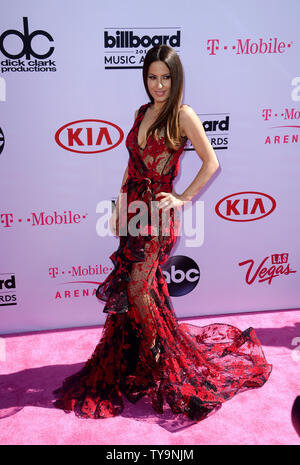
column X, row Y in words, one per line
column 7, row 290
column 126, row 48
column 22, row 50
column 284, row 123
column 268, row 269
column 216, row 126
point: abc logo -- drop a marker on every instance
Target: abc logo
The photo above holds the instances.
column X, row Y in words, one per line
column 1, row 141
column 182, row 275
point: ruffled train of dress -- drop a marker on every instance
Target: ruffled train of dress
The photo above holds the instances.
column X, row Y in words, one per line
column 194, row 369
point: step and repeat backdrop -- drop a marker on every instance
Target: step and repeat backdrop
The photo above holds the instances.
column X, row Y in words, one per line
column 70, row 83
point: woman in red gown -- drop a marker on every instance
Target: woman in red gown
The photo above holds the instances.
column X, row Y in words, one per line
column 143, row 350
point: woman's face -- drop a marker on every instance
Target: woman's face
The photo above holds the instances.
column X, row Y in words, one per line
column 159, row 81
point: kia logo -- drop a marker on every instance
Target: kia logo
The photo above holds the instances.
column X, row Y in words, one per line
column 245, row 206
column 89, row 136
column 182, row 275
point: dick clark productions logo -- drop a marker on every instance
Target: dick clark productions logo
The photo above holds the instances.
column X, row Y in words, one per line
column 16, row 56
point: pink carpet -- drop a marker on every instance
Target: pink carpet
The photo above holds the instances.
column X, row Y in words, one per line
column 33, row 364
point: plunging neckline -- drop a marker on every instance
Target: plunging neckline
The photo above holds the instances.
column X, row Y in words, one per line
column 139, row 124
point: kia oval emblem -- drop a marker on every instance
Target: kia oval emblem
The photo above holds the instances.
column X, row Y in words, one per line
column 89, row 136
column 245, row 206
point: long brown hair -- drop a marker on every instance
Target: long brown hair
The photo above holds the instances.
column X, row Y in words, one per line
column 169, row 116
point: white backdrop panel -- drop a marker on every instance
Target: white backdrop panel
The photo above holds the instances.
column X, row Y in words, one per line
column 241, row 64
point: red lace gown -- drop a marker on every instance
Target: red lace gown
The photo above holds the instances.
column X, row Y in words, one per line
column 193, row 369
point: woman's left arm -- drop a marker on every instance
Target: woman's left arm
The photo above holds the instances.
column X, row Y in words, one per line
column 192, row 128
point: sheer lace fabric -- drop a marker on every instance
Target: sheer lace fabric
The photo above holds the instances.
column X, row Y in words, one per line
column 143, row 350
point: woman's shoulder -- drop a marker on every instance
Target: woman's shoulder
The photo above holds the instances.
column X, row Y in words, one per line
column 185, row 108
column 140, row 109
column 187, row 114
column 184, row 113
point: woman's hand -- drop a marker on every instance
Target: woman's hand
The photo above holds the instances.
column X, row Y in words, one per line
column 168, row 200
